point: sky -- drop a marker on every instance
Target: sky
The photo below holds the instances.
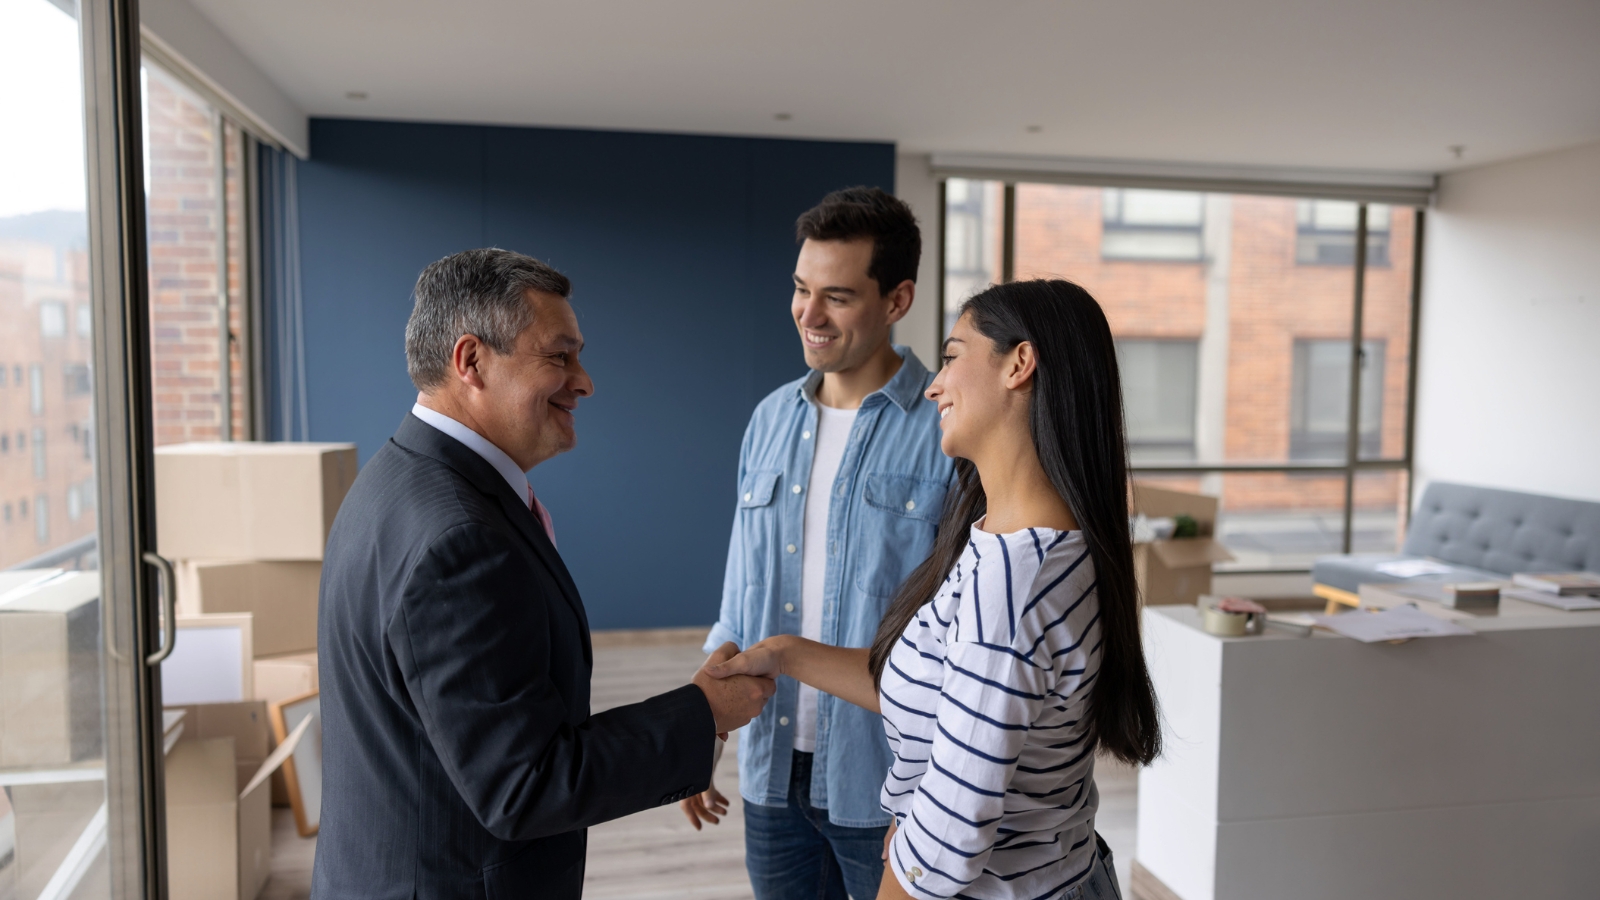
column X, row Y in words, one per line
column 41, row 109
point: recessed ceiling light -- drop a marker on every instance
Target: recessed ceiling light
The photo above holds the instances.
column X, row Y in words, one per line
column 1035, row 129
column 355, row 95
column 782, row 117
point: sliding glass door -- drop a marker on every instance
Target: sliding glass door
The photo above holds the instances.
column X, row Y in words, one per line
column 81, row 731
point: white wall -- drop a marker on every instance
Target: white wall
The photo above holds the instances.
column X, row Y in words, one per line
column 181, row 33
column 1508, row 391
column 916, row 185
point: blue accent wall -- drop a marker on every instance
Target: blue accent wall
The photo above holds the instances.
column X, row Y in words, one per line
column 680, row 250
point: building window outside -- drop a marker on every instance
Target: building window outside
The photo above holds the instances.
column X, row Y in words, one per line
column 1320, row 405
column 74, row 503
column 1159, row 389
column 39, row 464
column 41, row 519
column 1152, row 225
column 1325, row 233
column 52, row 319
column 36, row 389
column 85, row 320
column 77, row 379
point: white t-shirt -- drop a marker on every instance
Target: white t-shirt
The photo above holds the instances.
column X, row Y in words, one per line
column 833, row 432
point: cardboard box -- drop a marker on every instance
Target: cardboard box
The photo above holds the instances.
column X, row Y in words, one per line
column 219, row 835
column 48, row 819
column 50, row 670
column 245, row 722
column 249, row 500
column 279, row 678
column 1176, row 571
column 281, row 596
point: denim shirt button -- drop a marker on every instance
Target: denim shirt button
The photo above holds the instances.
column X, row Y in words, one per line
column 789, row 548
column 796, row 489
column 788, row 607
column 805, row 435
column 784, row 721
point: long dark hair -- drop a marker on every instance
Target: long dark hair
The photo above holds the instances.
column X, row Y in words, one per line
column 1075, row 415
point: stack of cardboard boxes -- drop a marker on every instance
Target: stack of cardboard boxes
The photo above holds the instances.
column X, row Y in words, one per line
column 245, row 524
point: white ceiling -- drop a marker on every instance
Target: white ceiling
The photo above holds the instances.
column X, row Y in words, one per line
column 1364, row 84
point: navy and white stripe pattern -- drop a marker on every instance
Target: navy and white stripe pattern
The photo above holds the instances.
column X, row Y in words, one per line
column 985, row 703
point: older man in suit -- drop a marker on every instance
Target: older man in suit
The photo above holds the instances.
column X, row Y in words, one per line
column 460, row 759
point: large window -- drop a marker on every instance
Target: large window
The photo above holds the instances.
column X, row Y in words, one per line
column 194, row 191
column 1236, row 320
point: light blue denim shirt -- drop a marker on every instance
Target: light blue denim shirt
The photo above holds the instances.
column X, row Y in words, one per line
column 886, row 503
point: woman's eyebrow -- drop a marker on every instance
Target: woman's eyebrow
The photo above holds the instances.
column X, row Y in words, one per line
column 950, row 340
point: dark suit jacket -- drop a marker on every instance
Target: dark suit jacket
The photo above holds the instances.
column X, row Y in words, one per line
column 459, row 756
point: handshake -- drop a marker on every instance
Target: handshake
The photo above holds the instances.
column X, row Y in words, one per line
column 736, row 690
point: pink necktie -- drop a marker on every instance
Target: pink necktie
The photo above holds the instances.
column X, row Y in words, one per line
column 543, row 514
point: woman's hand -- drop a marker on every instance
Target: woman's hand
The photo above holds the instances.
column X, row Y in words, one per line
column 763, row 660
column 890, row 888
column 707, row 806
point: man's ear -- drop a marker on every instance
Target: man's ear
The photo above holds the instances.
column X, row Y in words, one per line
column 1020, row 366
column 900, row 299
column 464, row 358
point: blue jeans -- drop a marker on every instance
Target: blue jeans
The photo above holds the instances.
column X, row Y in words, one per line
column 1102, row 881
column 794, row 853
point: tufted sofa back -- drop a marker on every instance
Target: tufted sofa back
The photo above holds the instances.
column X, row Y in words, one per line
column 1505, row 531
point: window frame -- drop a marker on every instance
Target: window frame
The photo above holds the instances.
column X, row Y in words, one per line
column 1353, row 464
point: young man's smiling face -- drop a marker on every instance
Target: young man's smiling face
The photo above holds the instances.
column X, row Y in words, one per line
column 842, row 316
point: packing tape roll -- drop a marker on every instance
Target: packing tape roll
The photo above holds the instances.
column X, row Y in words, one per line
column 1223, row 624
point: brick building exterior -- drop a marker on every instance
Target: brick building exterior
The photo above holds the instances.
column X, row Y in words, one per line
column 1275, row 303
column 47, row 487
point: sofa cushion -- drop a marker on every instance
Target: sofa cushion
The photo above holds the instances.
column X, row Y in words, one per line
column 1504, row 531
column 1348, row 573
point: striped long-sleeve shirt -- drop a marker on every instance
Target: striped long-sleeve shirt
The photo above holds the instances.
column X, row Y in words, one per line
column 985, row 703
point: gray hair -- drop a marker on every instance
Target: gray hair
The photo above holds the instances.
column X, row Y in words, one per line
column 478, row 292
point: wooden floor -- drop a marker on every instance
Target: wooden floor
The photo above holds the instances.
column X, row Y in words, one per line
column 657, row 854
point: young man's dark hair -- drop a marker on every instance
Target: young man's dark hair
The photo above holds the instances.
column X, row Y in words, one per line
column 868, row 212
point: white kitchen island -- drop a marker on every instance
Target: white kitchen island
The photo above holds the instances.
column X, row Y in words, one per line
column 1301, row 768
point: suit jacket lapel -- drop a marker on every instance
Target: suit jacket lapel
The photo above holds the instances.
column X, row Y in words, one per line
column 417, row 435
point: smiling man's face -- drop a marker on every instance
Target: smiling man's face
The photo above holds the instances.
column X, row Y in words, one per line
column 530, row 396
column 842, row 316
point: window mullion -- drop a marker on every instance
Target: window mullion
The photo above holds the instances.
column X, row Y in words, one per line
column 1352, row 437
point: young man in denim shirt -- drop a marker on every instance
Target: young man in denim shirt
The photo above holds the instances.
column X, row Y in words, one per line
column 841, row 482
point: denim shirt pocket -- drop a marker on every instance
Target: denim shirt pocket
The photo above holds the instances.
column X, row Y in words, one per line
column 758, row 489
column 901, row 512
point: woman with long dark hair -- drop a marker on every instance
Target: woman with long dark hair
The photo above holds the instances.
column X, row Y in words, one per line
column 1013, row 652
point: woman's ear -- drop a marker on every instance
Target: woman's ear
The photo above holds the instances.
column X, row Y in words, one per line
column 1019, row 367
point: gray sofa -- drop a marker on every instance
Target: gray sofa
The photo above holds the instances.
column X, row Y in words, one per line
column 1481, row 533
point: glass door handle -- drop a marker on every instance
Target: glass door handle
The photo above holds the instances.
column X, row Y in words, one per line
column 169, row 607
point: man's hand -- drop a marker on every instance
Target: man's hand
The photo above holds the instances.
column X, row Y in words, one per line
column 764, row 660
column 736, row 699
column 707, row 806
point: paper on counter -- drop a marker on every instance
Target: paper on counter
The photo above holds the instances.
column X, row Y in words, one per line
column 1393, row 624
column 1411, row 568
